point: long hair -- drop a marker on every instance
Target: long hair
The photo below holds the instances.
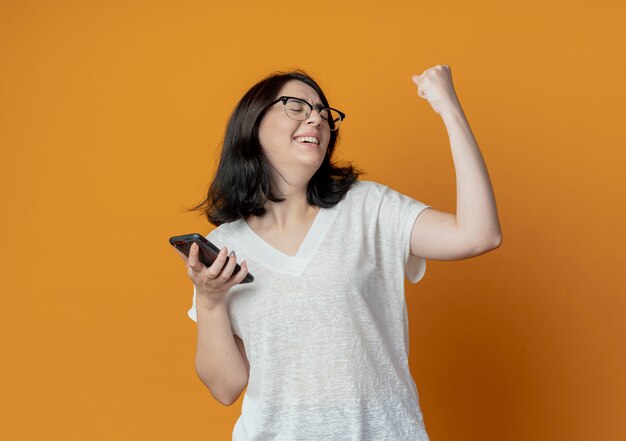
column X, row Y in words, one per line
column 243, row 180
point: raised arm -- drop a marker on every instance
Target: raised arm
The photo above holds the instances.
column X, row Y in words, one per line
column 475, row 229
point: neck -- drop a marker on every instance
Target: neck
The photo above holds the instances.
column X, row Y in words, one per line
column 294, row 210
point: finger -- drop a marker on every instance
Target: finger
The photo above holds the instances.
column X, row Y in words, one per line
column 217, row 265
column 243, row 272
column 230, row 267
column 194, row 258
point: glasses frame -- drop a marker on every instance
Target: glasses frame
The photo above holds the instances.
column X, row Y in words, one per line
column 317, row 107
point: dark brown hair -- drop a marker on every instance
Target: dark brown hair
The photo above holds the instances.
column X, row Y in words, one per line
column 242, row 183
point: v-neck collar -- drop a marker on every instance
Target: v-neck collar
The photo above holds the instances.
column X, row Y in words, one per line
column 269, row 256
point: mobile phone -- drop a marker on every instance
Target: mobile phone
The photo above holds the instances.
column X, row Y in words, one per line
column 208, row 251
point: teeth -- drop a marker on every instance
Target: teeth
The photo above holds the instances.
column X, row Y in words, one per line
column 307, row 139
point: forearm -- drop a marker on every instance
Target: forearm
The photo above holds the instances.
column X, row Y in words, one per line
column 476, row 206
column 219, row 363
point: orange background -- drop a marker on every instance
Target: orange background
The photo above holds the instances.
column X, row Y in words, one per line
column 111, row 114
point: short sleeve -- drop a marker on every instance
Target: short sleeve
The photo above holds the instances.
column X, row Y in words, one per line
column 234, row 322
column 192, row 311
column 398, row 213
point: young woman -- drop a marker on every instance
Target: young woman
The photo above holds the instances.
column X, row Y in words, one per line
column 320, row 338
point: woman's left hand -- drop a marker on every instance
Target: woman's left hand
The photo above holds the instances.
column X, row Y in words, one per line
column 435, row 86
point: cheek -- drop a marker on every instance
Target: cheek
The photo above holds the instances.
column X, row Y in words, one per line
column 273, row 134
column 267, row 136
column 327, row 144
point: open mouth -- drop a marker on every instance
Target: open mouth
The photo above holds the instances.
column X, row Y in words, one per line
column 310, row 140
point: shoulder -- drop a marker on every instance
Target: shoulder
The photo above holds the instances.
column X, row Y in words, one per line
column 365, row 195
column 220, row 234
column 387, row 201
column 367, row 191
column 362, row 188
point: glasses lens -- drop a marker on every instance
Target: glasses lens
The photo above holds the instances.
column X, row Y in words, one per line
column 332, row 118
column 297, row 109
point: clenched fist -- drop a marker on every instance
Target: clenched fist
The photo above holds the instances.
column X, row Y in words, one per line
column 435, row 86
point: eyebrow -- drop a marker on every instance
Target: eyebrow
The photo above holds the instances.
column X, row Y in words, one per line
column 315, row 106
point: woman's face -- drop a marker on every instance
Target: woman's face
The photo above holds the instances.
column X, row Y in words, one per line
column 277, row 133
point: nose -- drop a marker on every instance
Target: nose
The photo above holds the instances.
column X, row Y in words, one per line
column 315, row 117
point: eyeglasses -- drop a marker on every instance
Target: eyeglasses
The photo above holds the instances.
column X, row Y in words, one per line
column 300, row 110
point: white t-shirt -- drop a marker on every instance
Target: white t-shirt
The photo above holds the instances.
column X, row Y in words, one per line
column 326, row 330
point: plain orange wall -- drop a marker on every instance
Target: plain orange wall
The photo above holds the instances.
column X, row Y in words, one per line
column 111, row 115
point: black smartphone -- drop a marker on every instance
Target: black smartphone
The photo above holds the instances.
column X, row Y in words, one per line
column 208, row 251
